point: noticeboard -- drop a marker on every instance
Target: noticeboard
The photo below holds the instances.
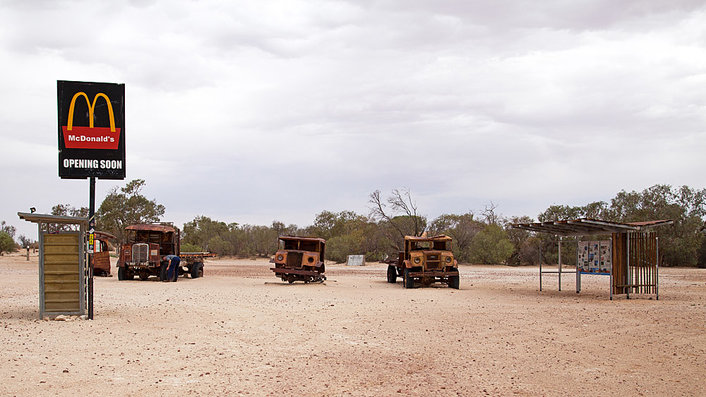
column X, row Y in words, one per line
column 91, row 130
column 595, row 257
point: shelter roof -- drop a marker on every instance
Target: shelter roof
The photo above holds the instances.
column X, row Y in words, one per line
column 440, row 237
column 586, row 226
column 101, row 235
column 152, row 228
column 56, row 219
column 297, row 238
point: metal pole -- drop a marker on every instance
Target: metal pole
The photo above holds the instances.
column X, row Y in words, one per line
column 611, row 268
column 657, row 270
column 578, row 273
column 539, row 252
column 560, row 263
column 627, row 272
column 91, row 241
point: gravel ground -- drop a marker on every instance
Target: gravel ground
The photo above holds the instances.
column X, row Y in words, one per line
column 240, row 330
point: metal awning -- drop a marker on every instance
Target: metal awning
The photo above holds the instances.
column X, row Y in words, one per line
column 586, row 226
column 57, row 219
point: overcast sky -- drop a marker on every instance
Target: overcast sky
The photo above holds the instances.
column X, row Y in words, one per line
column 254, row 111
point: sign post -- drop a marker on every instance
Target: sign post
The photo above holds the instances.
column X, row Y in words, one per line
column 91, row 142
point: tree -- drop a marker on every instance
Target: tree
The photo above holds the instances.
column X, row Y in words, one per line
column 400, row 213
column 7, row 244
column 69, row 210
column 525, row 245
column 25, row 242
column 202, row 230
column 491, row 246
column 462, row 228
column 127, row 206
column 679, row 242
column 9, row 229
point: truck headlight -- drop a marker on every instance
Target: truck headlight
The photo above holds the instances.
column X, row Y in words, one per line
column 280, row 257
column 417, row 260
column 448, row 259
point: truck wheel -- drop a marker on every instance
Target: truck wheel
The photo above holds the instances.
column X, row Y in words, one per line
column 196, row 270
column 408, row 280
column 143, row 275
column 454, row 282
column 391, row 274
column 163, row 272
column 121, row 273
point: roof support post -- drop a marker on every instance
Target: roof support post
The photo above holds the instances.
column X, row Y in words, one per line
column 560, row 239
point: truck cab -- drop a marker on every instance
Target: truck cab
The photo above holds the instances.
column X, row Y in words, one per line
column 425, row 260
column 144, row 249
column 300, row 259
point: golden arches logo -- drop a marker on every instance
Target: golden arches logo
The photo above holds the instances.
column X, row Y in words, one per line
column 91, row 109
column 82, row 137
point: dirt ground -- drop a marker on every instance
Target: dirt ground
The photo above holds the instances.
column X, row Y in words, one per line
column 239, row 330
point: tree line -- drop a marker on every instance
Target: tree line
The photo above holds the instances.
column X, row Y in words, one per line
column 478, row 237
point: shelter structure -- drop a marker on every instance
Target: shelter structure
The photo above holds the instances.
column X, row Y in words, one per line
column 630, row 258
column 63, row 270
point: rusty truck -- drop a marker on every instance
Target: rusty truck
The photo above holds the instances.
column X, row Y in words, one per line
column 300, row 259
column 144, row 250
column 425, row 260
column 101, row 254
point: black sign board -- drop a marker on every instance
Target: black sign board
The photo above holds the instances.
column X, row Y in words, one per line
column 91, row 130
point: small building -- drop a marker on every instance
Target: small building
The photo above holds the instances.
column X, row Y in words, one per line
column 63, row 270
column 630, row 258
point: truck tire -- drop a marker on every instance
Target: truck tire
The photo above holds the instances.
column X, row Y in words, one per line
column 143, row 275
column 454, row 282
column 391, row 274
column 408, row 280
column 121, row 273
column 163, row 272
column 196, row 270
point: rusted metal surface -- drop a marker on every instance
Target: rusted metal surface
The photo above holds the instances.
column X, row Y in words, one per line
column 294, row 271
column 153, row 227
column 300, row 259
column 587, row 226
column 425, row 260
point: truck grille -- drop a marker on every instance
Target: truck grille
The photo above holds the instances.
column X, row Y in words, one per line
column 140, row 252
column 294, row 259
column 433, row 261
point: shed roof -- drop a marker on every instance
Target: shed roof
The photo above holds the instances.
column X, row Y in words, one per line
column 586, row 226
column 56, row 219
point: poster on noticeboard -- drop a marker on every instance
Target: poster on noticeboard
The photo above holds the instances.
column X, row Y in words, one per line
column 595, row 256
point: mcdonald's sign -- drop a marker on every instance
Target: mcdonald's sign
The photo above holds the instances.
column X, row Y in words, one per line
column 91, row 130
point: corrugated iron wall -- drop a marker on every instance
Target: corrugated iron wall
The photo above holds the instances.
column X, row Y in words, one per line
column 62, row 272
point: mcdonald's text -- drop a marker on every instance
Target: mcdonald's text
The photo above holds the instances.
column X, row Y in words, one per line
column 83, row 138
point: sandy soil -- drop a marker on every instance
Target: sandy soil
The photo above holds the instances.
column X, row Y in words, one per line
column 239, row 330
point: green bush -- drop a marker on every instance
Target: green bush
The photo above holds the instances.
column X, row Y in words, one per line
column 188, row 247
column 7, row 244
column 491, row 246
